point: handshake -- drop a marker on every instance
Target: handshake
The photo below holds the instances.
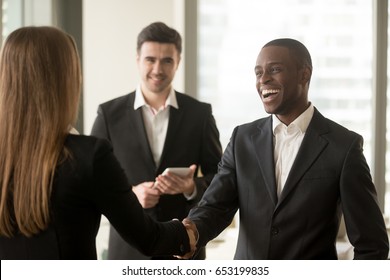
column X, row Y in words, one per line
column 193, row 236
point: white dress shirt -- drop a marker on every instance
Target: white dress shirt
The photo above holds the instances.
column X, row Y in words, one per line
column 156, row 125
column 155, row 121
column 287, row 141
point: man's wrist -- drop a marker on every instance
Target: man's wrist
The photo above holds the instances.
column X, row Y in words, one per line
column 192, row 195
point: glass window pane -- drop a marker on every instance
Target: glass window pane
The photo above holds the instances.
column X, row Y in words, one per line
column 387, row 195
column 12, row 16
column 338, row 33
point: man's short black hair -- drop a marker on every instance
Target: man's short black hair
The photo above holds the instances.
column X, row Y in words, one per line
column 301, row 53
column 161, row 33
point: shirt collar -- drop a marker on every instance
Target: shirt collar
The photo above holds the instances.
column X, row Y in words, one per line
column 302, row 122
column 140, row 99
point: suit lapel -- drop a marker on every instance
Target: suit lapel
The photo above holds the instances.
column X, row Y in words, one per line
column 312, row 146
column 263, row 146
column 175, row 116
column 134, row 117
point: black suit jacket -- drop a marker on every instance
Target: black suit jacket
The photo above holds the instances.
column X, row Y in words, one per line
column 192, row 138
column 88, row 184
column 329, row 176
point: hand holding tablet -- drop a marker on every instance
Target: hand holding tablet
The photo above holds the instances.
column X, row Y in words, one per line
column 176, row 180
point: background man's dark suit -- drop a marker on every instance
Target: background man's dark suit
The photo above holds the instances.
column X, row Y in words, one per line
column 192, row 138
column 329, row 176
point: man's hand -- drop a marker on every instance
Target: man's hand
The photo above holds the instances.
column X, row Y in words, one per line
column 193, row 237
column 147, row 195
column 170, row 183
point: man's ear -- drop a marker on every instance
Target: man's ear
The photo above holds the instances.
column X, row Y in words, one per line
column 306, row 74
column 178, row 62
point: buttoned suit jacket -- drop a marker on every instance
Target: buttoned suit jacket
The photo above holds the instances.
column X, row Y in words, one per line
column 192, row 138
column 329, row 177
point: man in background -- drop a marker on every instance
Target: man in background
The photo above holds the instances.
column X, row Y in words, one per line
column 156, row 127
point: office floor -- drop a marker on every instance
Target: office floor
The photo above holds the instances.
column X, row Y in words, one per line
column 224, row 246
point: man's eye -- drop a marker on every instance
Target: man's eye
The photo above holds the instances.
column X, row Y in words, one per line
column 259, row 74
column 168, row 61
column 275, row 70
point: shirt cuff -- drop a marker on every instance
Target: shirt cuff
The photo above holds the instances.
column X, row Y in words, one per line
column 191, row 196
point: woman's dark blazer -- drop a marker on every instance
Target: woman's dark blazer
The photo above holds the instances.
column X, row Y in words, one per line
column 86, row 185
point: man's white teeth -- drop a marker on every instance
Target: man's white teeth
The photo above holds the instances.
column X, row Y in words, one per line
column 268, row 92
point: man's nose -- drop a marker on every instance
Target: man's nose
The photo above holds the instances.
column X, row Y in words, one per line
column 265, row 78
column 157, row 67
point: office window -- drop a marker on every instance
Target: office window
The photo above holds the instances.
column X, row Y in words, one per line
column 338, row 33
column 387, row 195
column 4, row 18
column 12, row 16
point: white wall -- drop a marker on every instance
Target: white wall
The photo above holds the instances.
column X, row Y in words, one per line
column 110, row 29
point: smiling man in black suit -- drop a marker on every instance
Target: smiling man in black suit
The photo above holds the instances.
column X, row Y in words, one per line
column 292, row 174
column 156, row 127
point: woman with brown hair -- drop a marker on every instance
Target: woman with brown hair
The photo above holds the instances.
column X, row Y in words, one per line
column 55, row 185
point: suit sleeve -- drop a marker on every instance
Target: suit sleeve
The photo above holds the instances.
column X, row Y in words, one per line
column 99, row 128
column 219, row 203
column 115, row 199
column 364, row 221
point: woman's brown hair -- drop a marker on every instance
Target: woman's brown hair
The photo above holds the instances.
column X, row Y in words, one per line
column 40, row 83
